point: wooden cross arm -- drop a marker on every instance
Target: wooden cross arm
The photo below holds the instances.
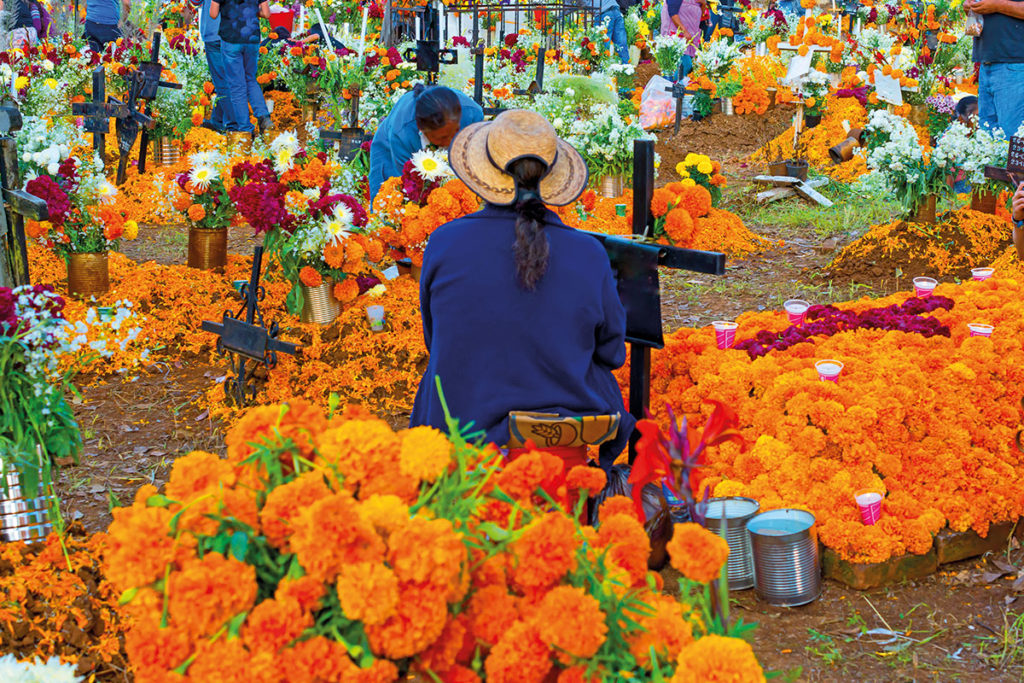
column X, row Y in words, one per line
column 27, row 205
column 676, row 258
column 10, row 120
column 169, row 85
column 1012, row 178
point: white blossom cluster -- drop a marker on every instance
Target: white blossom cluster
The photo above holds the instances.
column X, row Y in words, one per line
column 44, row 145
column 971, row 151
column 717, row 57
column 49, row 671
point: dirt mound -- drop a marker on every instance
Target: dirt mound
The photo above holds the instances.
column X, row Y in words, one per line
column 723, row 138
column 900, row 251
column 644, row 73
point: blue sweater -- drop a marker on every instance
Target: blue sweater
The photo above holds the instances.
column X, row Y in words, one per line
column 498, row 348
column 398, row 137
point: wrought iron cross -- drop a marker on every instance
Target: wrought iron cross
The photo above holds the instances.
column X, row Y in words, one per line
column 151, row 71
column 245, row 339
column 1013, row 174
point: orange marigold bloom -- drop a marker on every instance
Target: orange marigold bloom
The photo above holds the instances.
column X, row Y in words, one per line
column 310, row 277
column 422, row 613
column 521, row 478
column 366, row 454
column 441, row 656
column 426, row 453
column 520, row 656
column 627, row 543
column 592, row 479
column 492, row 611
column 679, row 227
column 696, row 552
column 714, row 659
column 427, row 552
column 367, row 592
column 196, row 474
column 660, row 201
column 666, row 630
column 205, row 594
column 617, row 505
column 272, row 624
column 334, row 255
column 305, row 590
column 696, row 201
column 385, row 512
column 330, row 534
column 285, row 503
column 346, row 290
column 208, row 88
column 154, row 651
column 570, row 621
column 545, row 552
column 138, row 545
column 196, row 213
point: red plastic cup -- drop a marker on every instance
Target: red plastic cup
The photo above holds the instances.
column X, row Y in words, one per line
column 796, row 310
column 828, row 370
column 980, row 329
column 725, row 333
column 980, row 274
column 924, row 286
column 870, row 504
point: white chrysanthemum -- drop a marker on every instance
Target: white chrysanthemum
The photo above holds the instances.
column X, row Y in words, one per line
column 284, row 159
column 105, row 191
column 286, row 140
column 202, row 176
column 338, row 223
column 430, row 165
column 208, row 157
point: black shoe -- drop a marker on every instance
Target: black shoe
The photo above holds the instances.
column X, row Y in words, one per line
column 265, row 123
column 210, row 125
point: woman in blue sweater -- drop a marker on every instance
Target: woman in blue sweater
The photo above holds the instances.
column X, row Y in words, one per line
column 520, row 311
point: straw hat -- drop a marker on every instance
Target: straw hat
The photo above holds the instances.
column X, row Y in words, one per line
column 481, row 153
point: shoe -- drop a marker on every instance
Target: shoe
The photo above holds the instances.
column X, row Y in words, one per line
column 265, row 123
column 211, row 125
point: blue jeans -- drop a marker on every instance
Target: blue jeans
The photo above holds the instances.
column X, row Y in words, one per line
column 616, row 26
column 240, row 71
column 99, row 35
column 1001, row 96
column 215, row 61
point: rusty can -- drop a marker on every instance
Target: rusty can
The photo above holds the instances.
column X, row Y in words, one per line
column 207, row 249
column 88, row 275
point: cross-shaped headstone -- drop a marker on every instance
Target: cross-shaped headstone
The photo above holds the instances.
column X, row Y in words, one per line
column 15, row 205
column 1013, row 174
column 247, row 340
column 428, row 54
column 678, row 90
column 537, row 86
column 151, row 71
column 95, row 114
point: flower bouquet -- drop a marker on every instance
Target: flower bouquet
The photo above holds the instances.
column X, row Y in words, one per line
column 82, row 225
column 408, row 209
column 340, row 550
column 814, row 87
column 208, row 210
column 704, row 172
column 37, row 426
column 962, row 149
column 668, row 52
column 605, row 140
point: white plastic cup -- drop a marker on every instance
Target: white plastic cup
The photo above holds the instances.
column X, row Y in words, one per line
column 870, row 504
column 796, row 310
column 375, row 314
column 924, row 286
column 981, row 274
column 725, row 333
column 829, row 370
column 980, row 329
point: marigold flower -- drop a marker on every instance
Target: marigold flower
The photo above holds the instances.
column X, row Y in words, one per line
column 367, row 592
column 285, row 503
column 570, row 621
column 330, row 533
column 713, row 659
column 205, row 593
column 310, row 277
column 385, row 512
column 154, row 651
column 492, row 611
column 427, row 552
column 305, row 590
column 696, row 552
column 545, row 552
column 272, row 624
column 421, row 617
column 426, row 453
column 591, row 479
column 520, row 656
column 347, row 290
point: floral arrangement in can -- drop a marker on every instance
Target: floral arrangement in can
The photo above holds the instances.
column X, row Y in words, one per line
column 204, row 198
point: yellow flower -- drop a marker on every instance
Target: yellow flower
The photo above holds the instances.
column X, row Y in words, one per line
column 691, row 159
column 131, row 230
column 20, row 82
column 705, row 167
column 688, row 182
column 644, row 29
column 51, row 83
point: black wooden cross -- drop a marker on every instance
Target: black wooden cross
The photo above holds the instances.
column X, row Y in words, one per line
column 428, row 54
column 635, row 262
column 537, row 86
column 151, row 71
column 128, row 125
column 248, row 340
column 679, row 91
column 96, row 114
column 1013, row 174
column 15, row 205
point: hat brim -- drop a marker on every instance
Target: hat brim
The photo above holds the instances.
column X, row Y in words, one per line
column 563, row 184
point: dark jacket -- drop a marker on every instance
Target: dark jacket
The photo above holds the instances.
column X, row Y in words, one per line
column 498, row 348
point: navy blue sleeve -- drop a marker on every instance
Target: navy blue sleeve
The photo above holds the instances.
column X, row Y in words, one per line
column 610, row 351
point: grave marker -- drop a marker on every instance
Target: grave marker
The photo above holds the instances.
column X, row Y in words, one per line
column 151, row 71
column 1013, row 174
column 15, row 205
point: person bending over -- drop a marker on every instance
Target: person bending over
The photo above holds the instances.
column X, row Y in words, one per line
column 520, row 312
column 422, row 117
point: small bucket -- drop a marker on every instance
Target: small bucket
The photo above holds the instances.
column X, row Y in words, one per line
column 318, row 303
column 728, row 517
column 787, row 567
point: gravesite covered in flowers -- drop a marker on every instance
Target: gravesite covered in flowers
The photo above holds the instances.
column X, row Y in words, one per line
column 467, row 340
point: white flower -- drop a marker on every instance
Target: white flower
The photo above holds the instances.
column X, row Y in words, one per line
column 431, row 165
column 338, row 223
column 202, row 176
column 105, row 191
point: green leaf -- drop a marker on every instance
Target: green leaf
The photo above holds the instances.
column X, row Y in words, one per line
column 127, row 596
column 235, row 625
column 239, row 544
column 494, row 532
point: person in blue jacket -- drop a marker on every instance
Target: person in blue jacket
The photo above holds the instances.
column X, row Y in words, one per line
column 424, row 116
column 520, row 311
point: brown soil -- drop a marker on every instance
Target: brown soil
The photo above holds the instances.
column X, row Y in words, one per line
column 723, row 138
column 644, row 73
column 168, row 244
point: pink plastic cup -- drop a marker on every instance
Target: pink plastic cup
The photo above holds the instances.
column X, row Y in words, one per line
column 796, row 310
column 980, row 274
column 725, row 333
column 828, row 370
column 870, row 504
column 924, row 286
column 980, row 329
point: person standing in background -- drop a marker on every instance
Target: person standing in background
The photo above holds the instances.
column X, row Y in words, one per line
column 23, row 33
column 40, row 19
column 240, row 48
column 682, row 17
column 102, row 18
column 999, row 50
column 610, row 15
column 209, row 29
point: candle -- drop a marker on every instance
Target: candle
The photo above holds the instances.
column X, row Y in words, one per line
column 362, row 33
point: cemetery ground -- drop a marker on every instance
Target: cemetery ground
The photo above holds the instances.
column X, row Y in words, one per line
column 964, row 623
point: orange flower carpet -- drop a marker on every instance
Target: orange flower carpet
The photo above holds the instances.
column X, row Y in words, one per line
column 931, row 422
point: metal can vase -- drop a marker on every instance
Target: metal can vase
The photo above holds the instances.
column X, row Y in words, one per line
column 23, row 516
column 727, row 518
column 88, row 275
column 309, row 113
column 983, row 201
column 727, row 108
column 207, row 249
column 166, row 151
column 318, row 303
column 787, row 565
column 925, row 212
column 611, row 186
